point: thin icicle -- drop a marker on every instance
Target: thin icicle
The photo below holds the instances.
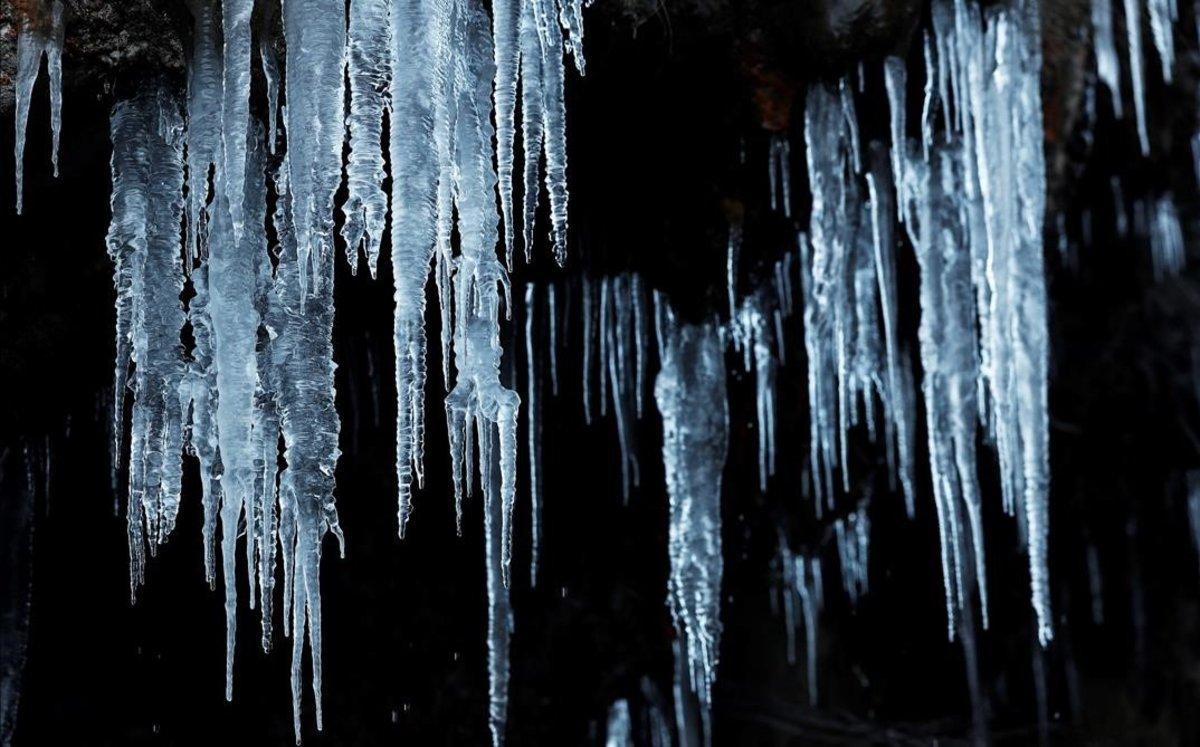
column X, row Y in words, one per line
column 1133, row 32
column 533, row 432
column 506, row 22
column 39, row 32
column 1163, row 15
column 554, row 122
column 1108, row 65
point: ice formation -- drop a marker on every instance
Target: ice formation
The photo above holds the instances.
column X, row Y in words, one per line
column 991, row 169
column 800, row 578
column 1167, row 255
column 690, row 392
column 1137, row 70
column 533, row 429
column 1108, row 65
column 618, row 731
column 849, row 285
column 970, row 193
column 39, row 34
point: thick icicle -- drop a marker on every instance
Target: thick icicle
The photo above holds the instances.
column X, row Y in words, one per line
column 315, row 31
column 39, row 32
column 232, row 284
column 369, row 75
column 302, row 358
column 690, row 392
column 147, row 167
column 414, row 187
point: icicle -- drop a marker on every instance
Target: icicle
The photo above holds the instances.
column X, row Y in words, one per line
column 690, row 392
column 1166, row 238
column 370, row 76
column 588, row 335
column 1133, row 31
column 555, row 125
column 232, row 275
column 533, row 432
column 879, row 186
column 552, row 313
column 752, row 335
column 618, row 731
column 807, row 577
column 1108, row 65
column 315, row 31
column 895, row 78
column 147, row 167
column 640, row 340
column 235, row 106
column 269, row 60
column 500, row 621
column 571, row 16
column 414, row 186
column 205, row 81
column 506, row 21
column 951, row 368
column 734, row 248
column 1163, row 15
column 40, row 32
column 532, row 119
column 605, row 337
column 302, row 354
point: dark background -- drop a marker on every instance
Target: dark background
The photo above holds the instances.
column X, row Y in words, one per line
column 655, row 130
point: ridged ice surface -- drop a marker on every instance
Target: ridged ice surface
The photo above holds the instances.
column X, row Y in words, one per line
column 690, row 392
column 370, row 76
column 315, row 32
column 147, row 206
column 39, row 34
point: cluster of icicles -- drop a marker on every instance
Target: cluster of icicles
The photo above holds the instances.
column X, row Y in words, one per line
column 969, row 193
column 259, row 304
